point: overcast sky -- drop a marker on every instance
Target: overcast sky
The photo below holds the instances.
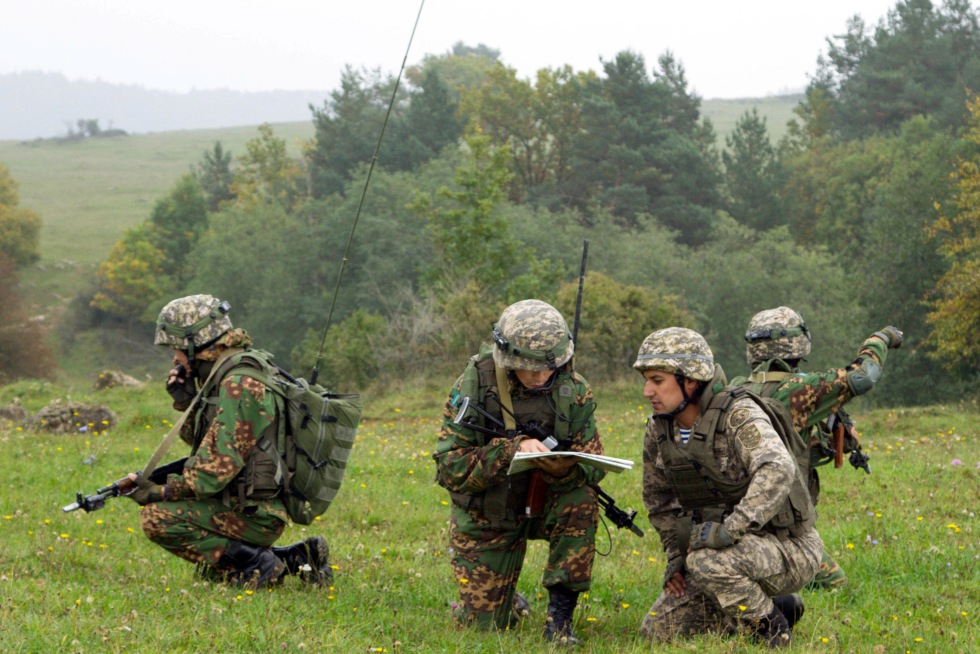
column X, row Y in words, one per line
column 728, row 48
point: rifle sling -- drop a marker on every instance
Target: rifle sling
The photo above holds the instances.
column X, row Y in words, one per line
column 168, row 440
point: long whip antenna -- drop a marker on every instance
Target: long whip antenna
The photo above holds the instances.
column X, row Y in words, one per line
column 578, row 299
column 360, row 204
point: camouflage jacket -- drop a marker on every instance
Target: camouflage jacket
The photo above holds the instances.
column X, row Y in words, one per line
column 470, row 462
column 812, row 397
column 747, row 450
column 242, row 410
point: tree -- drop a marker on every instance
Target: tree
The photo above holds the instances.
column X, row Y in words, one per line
column 645, row 149
column 430, row 123
column 347, row 128
column 214, row 175
column 753, row 174
column 132, row 278
column 20, row 228
column 267, row 174
column 478, row 264
column 537, row 123
column 177, row 222
column 954, row 318
column 920, row 60
column 615, row 319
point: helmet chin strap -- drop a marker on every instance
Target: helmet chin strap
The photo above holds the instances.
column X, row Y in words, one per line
column 687, row 398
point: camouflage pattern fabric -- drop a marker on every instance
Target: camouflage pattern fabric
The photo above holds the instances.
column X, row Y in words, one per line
column 677, row 350
column 737, row 581
column 811, row 398
column 778, row 333
column 185, row 312
column 199, row 517
column 532, row 326
column 487, row 561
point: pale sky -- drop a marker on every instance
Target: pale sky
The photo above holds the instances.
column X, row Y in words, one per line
column 728, row 48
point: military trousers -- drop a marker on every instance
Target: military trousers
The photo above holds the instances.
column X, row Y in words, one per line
column 726, row 586
column 487, row 561
column 200, row 530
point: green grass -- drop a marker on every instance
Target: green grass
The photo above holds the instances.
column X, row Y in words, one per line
column 906, row 535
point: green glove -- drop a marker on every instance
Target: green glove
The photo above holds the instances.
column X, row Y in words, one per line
column 147, row 492
column 710, row 534
column 892, row 336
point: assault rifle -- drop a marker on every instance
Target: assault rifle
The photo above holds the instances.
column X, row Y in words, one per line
column 124, row 486
column 620, row 518
column 840, row 424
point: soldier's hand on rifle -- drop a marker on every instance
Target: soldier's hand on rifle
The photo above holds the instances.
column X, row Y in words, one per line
column 892, row 336
column 146, row 491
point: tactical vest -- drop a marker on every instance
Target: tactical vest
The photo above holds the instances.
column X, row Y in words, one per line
column 258, row 480
column 503, row 504
column 704, row 492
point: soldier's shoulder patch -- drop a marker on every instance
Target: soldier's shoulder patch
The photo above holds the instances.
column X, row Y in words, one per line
column 750, row 437
column 738, row 417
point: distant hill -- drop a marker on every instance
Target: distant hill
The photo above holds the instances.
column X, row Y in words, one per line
column 44, row 105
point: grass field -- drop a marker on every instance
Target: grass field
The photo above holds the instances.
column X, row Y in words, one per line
column 907, row 535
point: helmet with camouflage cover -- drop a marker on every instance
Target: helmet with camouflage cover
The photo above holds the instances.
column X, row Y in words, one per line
column 192, row 322
column 531, row 335
column 778, row 333
column 678, row 351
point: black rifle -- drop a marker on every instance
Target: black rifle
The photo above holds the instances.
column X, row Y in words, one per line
column 620, row 518
column 124, row 486
column 839, row 424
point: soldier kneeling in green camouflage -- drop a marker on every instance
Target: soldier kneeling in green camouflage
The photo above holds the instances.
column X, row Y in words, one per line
column 726, row 497
column 223, row 512
column 777, row 340
column 520, row 394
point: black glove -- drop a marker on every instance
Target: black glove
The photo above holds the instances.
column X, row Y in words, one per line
column 710, row 534
column 891, row 335
column 146, row 492
column 182, row 388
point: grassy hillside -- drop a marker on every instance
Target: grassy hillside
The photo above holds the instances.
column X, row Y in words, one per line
column 88, row 192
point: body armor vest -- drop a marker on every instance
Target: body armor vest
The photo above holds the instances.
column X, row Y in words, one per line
column 503, row 504
column 704, row 492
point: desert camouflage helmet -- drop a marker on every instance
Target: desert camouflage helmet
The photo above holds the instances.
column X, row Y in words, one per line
column 778, row 333
column 191, row 322
column 677, row 350
column 531, row 335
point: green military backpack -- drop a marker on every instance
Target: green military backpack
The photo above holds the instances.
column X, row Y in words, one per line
column 315, row 439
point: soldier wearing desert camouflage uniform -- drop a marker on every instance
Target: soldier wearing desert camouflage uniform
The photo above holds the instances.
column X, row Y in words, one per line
column 223, row 511
column 777, row 340
column 524, row 378
column 730, row 506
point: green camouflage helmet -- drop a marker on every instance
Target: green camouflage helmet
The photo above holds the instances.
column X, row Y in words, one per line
column 778, row 333
column 191, row 322
column 531, row 335
column 678, row 351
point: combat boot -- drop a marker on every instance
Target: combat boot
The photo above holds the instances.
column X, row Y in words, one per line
column 255, row 567
column 773, row 630
column 561, row 606
column 791, row 606
column 310, row 559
